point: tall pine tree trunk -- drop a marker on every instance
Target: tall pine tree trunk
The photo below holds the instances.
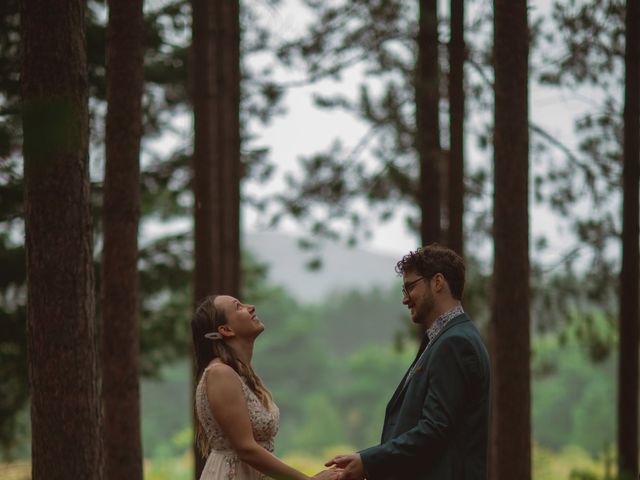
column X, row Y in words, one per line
column 455, row 207
column 511, row 424
column 120, row 336
column 216, row 156
column 427, row 85
column 629, row 328
column 63, row 361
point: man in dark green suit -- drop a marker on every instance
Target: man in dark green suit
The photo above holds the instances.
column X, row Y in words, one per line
column 437, row 422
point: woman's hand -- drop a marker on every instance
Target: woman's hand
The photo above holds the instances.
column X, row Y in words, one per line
column 329, row 474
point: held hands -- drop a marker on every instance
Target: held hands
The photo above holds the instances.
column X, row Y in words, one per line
column 351, row 465
column 330, row 474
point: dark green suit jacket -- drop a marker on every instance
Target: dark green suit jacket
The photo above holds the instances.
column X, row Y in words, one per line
column 437, row 426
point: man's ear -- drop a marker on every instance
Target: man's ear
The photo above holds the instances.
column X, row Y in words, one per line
column 439, row 282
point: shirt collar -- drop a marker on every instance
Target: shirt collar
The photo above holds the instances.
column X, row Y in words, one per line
column 442, row 320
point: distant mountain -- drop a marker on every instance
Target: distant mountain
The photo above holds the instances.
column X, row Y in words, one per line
column 342, row 268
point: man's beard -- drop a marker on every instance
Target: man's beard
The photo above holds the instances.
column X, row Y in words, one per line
column 424, row 310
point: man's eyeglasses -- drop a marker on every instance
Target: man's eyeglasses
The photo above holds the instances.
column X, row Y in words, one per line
column 407, row 287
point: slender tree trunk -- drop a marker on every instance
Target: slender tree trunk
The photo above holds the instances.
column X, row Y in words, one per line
column 511, row 424
column 216, row 156
column 63, row 361
column 629, row 328
column 455, row 207
column 120, row 337
column 427, row 85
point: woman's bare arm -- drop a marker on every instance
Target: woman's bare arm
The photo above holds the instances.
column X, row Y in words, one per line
column 224, row 391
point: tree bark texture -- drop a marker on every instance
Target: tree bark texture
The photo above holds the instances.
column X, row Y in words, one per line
column 629, row 318
column 427, row 86
column 61, row 331
column 511, row 424
column 120, row 328
column 216, row 156
column 455, row 207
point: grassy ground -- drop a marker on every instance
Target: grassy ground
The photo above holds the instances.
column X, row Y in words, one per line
column 15, row 471
column 571, row 463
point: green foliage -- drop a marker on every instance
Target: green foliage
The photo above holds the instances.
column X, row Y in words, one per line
column 570, row 463
column 581, row 307
column 170, row 468
column 350, row 319
column 322, row 426
column 373, row 372
column 572, row 399
column 162, row 422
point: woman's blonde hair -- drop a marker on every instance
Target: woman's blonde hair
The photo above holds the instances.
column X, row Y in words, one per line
column 206, row 319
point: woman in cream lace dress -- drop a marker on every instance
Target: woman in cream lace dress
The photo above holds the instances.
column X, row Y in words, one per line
column 238, row 419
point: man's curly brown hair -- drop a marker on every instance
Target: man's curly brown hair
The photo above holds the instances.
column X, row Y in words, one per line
column 432, row 259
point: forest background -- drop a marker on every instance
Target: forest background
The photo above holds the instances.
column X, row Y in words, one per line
column 333, row 360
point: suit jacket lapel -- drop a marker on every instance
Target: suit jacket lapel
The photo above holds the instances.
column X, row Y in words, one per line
column 396, row 394
column 403, row 384
column 400, row 387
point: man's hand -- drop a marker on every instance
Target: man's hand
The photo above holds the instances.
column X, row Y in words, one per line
column 352, row 466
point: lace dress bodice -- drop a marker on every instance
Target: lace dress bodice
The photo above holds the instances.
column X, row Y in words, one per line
column 264, row 422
